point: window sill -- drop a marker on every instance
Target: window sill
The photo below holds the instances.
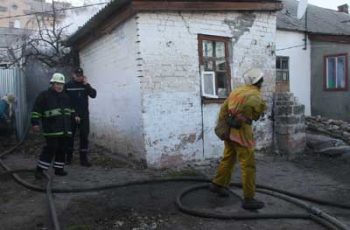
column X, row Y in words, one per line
column 336, row 90
column 213, row 100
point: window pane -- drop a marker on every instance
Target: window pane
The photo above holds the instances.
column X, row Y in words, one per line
column 222, row 85
column 278, row 63
column 278, row 76
column 207, row 48
column 285, row 63
column 221, row 64
column 208, row 84
column 331, row 73
column 220, row 49
column 208, row 65
column 341, row 72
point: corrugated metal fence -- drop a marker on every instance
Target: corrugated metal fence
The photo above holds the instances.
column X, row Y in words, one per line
column 13, row 81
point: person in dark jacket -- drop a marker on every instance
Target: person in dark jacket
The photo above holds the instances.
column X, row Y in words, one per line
column 7, row 116
column 6, row 107
column 53, row 110
column 79, row 91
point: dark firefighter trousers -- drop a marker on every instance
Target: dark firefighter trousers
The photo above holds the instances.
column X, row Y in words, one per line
column 84, row 129
column 55, row 147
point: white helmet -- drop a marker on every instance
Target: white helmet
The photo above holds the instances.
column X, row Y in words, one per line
column 252, row 76
column 57, row 77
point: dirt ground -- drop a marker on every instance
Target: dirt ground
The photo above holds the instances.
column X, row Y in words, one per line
column 146, row 207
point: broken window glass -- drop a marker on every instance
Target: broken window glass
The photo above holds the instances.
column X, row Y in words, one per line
column 221, row 64
column 222, row 84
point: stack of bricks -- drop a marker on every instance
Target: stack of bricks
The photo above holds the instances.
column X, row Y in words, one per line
column 290, row 127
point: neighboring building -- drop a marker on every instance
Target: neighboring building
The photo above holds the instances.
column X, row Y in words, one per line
column 318, row 70
column 15, row 30
column 10, row 9
column 148, row 61
column 9, row 36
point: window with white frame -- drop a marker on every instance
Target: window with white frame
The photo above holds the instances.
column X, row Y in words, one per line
column 215, row 68
column 336, row 71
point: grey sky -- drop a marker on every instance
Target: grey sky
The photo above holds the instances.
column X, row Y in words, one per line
column 331, row 4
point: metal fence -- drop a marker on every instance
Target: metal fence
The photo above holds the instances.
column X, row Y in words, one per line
column 13, row 81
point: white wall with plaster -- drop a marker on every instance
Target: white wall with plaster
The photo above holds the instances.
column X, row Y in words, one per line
column 174, row 119
column 110, row 63
column 291, row 44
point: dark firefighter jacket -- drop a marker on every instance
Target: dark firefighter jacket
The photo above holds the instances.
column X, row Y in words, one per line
column 79, row 95
column 54, row 111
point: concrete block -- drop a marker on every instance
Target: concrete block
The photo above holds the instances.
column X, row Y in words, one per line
column 299, row 109
column 284, row 110
column 289, row 120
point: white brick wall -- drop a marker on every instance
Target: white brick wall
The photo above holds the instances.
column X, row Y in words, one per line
column 111, row 64
column 171, row 102
column 147, row 76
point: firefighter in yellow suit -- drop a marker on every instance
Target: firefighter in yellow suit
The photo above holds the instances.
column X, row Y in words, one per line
column 245, row 104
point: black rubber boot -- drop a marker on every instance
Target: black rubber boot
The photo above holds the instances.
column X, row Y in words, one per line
column 39, row 173
column 84, row 161
column 219, row 190
column 69, row 157
column 60, row 172
column 252, row 204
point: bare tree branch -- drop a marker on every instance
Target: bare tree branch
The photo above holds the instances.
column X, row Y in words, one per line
column 46, row 44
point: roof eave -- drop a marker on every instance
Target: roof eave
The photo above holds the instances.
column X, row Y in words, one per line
column 95, row 26
column 291, row 29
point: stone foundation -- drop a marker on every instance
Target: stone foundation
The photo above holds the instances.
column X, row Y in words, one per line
column 290, row 128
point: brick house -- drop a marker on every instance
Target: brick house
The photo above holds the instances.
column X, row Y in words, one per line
column 163, row 68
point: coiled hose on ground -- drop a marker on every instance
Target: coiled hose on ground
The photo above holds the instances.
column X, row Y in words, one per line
column 313, row 213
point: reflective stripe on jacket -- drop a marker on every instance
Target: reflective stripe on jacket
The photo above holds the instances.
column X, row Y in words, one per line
column 54, row 111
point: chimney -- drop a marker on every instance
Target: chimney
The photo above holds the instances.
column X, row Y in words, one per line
column 343, row 8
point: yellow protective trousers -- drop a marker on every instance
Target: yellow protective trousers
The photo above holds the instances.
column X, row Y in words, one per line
column 245, row 156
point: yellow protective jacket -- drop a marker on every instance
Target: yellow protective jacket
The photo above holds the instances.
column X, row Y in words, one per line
column 246, row 104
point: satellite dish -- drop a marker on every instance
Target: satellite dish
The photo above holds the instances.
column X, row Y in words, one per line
column 301, row 8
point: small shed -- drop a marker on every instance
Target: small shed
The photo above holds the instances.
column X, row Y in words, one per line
column 163, row 68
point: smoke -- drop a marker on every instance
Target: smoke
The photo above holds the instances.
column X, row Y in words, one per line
column 76, row 18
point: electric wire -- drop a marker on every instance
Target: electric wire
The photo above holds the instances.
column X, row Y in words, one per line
column 56, row 10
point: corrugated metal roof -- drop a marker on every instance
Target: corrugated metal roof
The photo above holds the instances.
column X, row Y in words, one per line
column 97, row 19
column 319, row 20
column 115, row 5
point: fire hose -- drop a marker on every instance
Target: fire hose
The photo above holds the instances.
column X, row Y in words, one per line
column 313, row 213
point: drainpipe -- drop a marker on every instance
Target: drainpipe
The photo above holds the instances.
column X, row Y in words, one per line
column 201, row 68
column 305, row 34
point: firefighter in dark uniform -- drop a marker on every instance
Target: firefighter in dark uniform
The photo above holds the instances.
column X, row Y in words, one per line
column 79, row 91
column 53, row 110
